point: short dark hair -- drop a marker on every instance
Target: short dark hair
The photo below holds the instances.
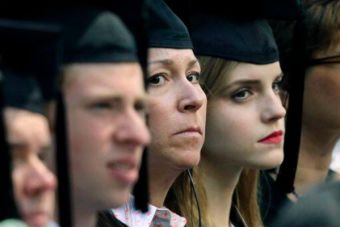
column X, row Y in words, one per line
column 322, row 25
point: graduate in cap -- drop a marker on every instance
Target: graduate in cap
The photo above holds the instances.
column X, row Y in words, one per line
column 313, row 87
column 177, row 106
column 24, row 66
column 245, row 117
column 105, row 102
column 112, row 106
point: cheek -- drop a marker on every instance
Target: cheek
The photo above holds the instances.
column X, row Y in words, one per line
column 87, row 132
column 160, row 119
column 322, row 90
column 227, row 129
column 18, row 176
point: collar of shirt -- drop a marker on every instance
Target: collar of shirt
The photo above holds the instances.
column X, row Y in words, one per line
column 131, row 217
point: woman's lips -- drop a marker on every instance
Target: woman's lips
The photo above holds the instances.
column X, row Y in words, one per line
column 273, row 138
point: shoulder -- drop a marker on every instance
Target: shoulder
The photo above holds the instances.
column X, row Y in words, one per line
column 320, row 207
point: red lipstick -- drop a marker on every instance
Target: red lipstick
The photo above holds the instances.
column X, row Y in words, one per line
column 273, row 138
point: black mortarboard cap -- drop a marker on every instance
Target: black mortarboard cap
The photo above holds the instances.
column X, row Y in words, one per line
column 165, row 29
column 89, row 34
column 22, row 92
column 239, row 40
column 240, row 9
column 94, row 36
column 33, row 56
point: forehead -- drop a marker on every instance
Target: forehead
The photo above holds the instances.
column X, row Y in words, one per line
column 93, row 79
column 253, row 71
column 155, row 54
column 24, row 126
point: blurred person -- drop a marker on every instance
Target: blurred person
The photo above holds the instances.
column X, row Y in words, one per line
column 34, row 184
column 105, row 101
column 320, row 122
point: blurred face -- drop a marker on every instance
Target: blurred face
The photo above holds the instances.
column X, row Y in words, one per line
column 177, row 108
column 34, row 184
column 106, row 110
column 245, row 122
column 321, row 109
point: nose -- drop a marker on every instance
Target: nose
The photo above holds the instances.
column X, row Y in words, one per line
column 39, row 179
column 191, row 97
column 133, row 130
column 273, row 108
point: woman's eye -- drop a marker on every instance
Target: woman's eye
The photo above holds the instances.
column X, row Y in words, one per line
column 277, row 85
column 156, row 80
column 241, row 95
column 194, row 77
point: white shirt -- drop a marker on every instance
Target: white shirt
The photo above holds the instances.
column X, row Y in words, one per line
column 132, row 217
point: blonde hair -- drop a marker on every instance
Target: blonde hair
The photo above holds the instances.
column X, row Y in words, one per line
column 213, row 77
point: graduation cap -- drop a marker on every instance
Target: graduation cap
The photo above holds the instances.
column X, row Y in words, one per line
column 23, row 66
column 229, row 39
column 165, row 28
column 22, row 92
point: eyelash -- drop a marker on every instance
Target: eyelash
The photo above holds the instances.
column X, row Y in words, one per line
column 277, row 85
column 235, row 95
column 151, row 80
column 197, row 74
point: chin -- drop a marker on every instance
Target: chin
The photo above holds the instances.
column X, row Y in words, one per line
column 188, row 162
column 273, row 161
column 37, row 222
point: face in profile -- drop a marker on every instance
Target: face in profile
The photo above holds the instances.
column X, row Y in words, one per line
column 245, row 121
column 321, row 109
column 177, row 108
column 34, row 184
column 107, row 132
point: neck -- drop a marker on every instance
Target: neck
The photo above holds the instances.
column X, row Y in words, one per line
column 315, row 156
column 220, row 182
column 162, row 176
column 83, row 217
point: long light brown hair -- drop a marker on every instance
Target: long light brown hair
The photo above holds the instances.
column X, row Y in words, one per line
column 214, row 72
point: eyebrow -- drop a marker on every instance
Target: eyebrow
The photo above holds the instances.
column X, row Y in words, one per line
column 115, row 98
column 249, row 81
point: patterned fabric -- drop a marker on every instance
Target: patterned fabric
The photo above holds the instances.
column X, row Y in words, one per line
column 155, row 217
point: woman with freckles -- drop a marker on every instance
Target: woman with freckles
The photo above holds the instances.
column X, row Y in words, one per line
column 245, row 116
column 177, row 108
